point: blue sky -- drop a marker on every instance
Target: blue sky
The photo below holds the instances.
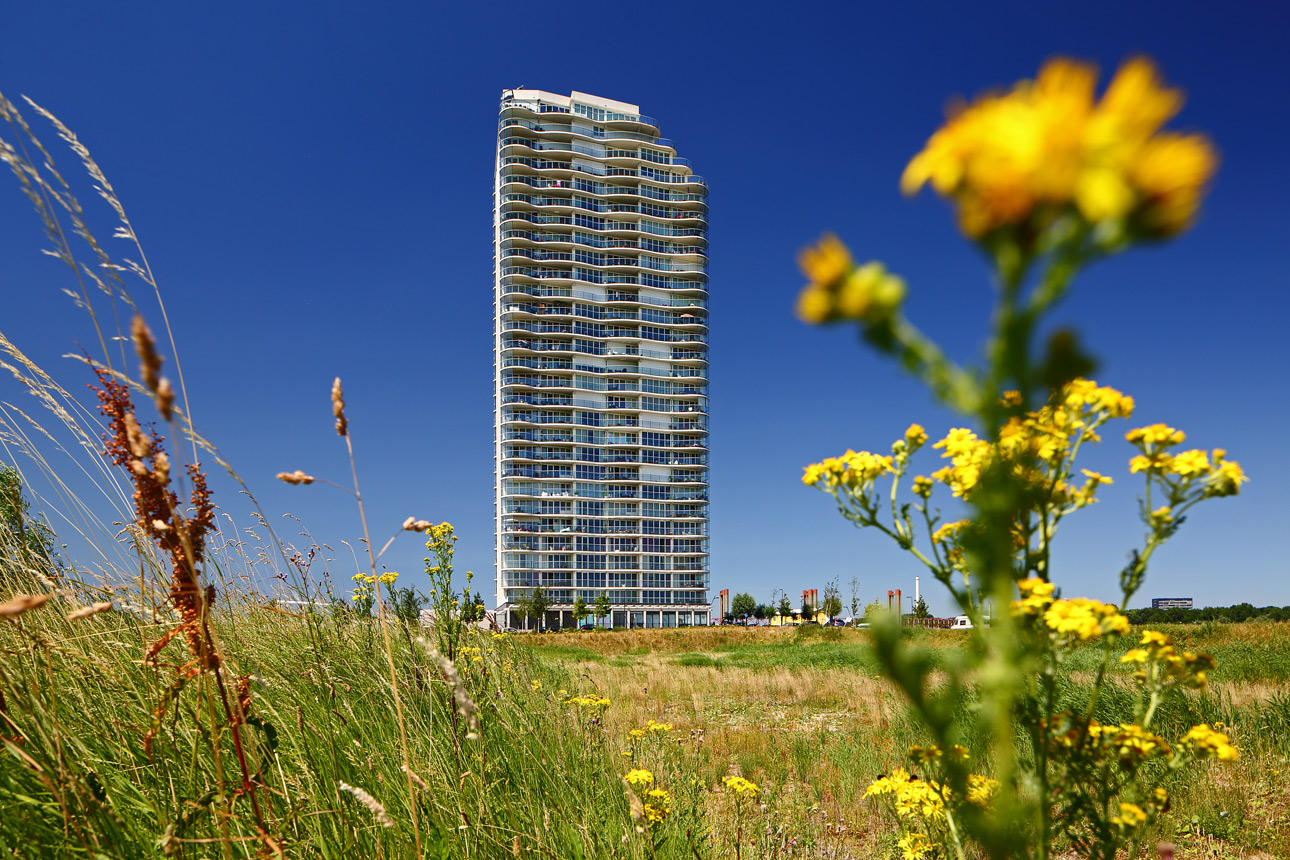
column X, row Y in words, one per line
column 313, row 186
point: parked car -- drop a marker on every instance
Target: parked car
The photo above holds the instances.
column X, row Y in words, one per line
column 587, row 627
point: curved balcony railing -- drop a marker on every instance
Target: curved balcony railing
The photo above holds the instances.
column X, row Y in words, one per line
column 585, row 131
column 544, row 291
column 601, row 188
column 591, row 241
column 642, row 172
column 596, row 312
column 592, row 258
column 510, row 213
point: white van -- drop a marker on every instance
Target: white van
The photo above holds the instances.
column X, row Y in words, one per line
column 962, row 622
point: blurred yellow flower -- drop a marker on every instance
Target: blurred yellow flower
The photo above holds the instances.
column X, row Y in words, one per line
column 1207, row 743
column 1047, row 146
column 837, row 289
column 1084, row 618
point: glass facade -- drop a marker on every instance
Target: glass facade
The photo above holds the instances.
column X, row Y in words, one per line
column 600, row 312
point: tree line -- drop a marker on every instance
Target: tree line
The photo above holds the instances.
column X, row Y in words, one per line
column 1232, row 614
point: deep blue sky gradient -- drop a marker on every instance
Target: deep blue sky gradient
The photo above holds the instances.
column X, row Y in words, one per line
column 313, row 185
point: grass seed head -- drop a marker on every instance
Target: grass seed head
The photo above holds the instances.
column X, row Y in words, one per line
column 20, row 604
column 87, row 611
column 146, row 347
column 372, row 804
column 338, row 408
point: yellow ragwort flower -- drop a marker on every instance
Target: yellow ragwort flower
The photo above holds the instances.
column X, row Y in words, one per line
column 1156, row 435
column 1084, row 618
column 1049, row 145
column 1190, row 464
column 838, row 289
column 639, row 777
column 741, row 787
column 658, row 803
column 915, row 437
column 1131, row 815
column 914, row 846
column 1204, row 742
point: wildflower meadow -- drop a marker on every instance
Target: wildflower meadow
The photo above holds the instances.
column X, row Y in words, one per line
column 194, row 689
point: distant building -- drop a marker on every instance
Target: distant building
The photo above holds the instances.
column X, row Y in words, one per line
column 1171, row 603
column 601, row 350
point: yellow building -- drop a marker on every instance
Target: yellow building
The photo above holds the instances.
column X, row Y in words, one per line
column 796, row 618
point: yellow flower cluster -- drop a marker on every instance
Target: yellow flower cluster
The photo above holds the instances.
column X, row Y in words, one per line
column 910, row 795
column 1161, row 664
column 931, row 753
column 1047, row 147
column 853, row 470
column 1131, row 816
column 639, row 778
column 981, row 789
column 741, row 787
column 949, row 531
column 968, row 455
column 840, row 290
column 1084, row 618
column 388, row 578
column 1204, row 742
column 914, row 846
column 1219, row 476
column 658, row 803
column 592, row 701
column 1036, row 597
column 1132, row 743
column 1044, row 436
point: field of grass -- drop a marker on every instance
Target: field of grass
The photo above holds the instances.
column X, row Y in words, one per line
column 803, row 714
column 806, row 714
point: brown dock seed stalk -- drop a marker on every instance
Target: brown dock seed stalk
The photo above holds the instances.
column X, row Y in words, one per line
column 87, row 611
column 22, row 603
column 338, row 408
column 157, row 511
column 414, row 525
column 372, row 804
column 296, row 477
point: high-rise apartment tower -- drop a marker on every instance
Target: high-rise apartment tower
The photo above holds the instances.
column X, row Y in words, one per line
column 600, row 317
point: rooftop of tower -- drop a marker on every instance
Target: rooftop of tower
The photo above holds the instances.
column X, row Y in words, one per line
column 614, row 110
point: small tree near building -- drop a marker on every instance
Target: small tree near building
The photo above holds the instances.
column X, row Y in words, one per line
column 534, row 607
column 602, row 607
column 785, row 608
column 855, row 597
column 920, row 608
column 580, row 610
column 832, row 604
column 742, row 605
column 874, row 611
